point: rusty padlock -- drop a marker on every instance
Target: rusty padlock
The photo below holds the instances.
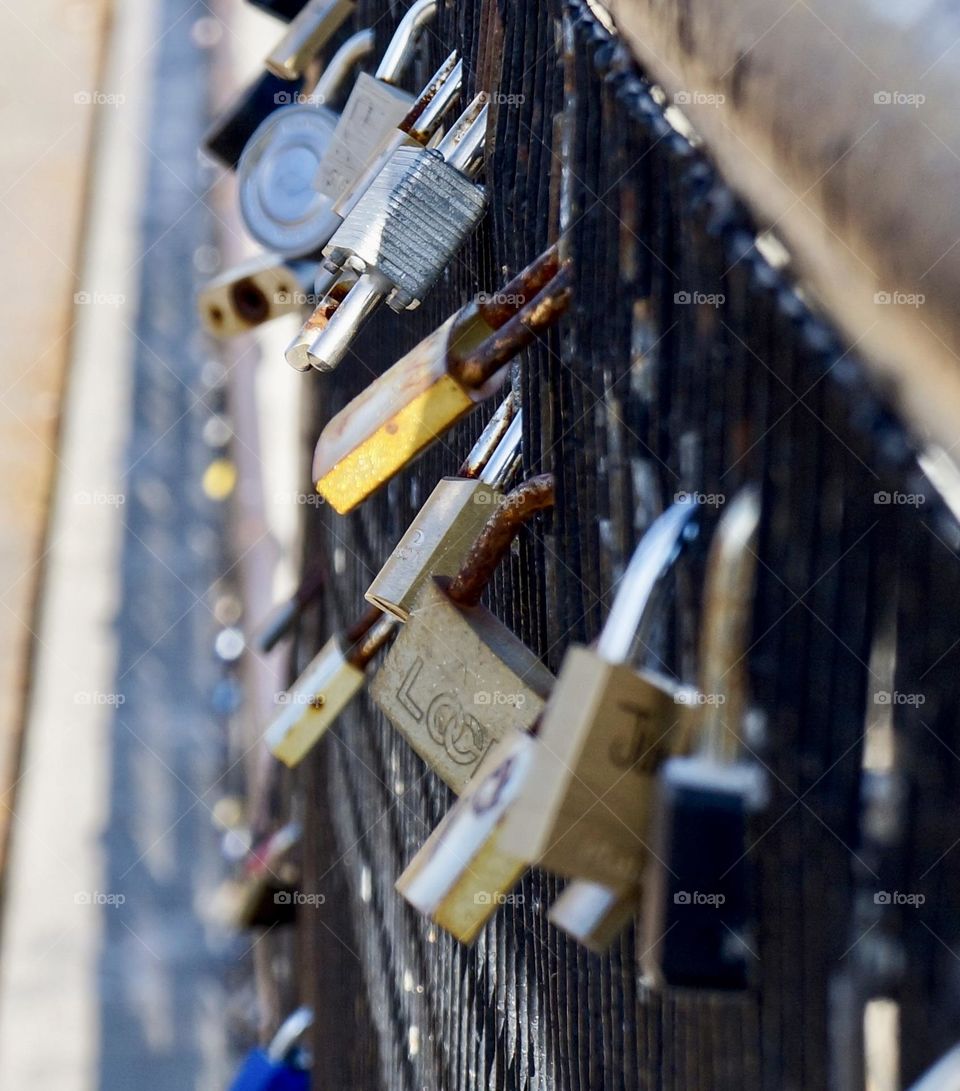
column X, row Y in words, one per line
column 456, row 677
column 437, row 540
column 412, row 404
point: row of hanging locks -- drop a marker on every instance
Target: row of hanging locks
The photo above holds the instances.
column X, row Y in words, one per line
column 603, row 775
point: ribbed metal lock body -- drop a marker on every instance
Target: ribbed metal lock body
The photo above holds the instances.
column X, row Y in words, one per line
column 412, row 219
column 434, row 544
column 455, row 681
column 321, row 693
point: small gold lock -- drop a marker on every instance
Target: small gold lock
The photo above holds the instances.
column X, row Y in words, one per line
column 412, row 404
column 466, row 869
column 437, row 541
column 606, row 730
column 457, row 678
column 309, row 31
column 254, row 292
column 331, row 681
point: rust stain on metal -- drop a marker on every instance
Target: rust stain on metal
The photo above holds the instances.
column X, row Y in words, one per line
column 517, row 508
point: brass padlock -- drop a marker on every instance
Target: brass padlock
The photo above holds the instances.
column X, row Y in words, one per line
column 254, row 292
column 605, row 732
column 437, row 540
column 696, row 888
column 261, row 896
column 334, row 677
column 308, row 32
column 594, row 914
column 466, row 869
column 412, row 404
column 456, row 677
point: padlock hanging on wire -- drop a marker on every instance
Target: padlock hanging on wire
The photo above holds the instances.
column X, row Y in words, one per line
column 338, row 672
column 470, row 864
column 696, row 896
column 416, row 214
column 284, row 1065
column 257, row 290
column 412, row 404
column 456, row 678
column 282, row 205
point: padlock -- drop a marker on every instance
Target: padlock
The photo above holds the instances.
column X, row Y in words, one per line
column 284, row 205
column 437, row 540
column 261, row 896
column 333, row 678
column 604, row 733
column 308, row 32
column 412, row 404
column 283, row 1065
column 400, row 236
column 456, row 677
column 696, row 897
column 280, row 207
column 228, row 135
column 594, row 914
column 256, row 291
column 284, row 617
column 472, row 861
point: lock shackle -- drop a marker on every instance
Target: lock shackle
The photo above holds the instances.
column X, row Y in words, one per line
column 654, row 555
column 430, row 108
column 486, row 446
column 378, row 636
column 307, row 33
column 517, row 508
column 506, row 458
column 403, row 44
column 536, row 316
column 292, row 1029
column 497, row 308
column 353, row 50
column 462, row 145
column 725, row 626
column 283, row 618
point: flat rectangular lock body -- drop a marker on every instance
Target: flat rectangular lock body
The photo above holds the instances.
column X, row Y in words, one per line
column 261, row 1073
column 434, row 544
column 699, row 934
column 455, row 681
column 320, row 694
column 411, row 221
column 594, row 914
column 254, row 292
column 373, row 110
column 466, row 868
column 606, row 730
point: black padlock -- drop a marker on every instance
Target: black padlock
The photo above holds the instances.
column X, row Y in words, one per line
column 697, row 890
column 228, row 135
column 282, row 9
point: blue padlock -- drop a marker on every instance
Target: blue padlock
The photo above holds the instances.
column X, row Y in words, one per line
column 283, row 1065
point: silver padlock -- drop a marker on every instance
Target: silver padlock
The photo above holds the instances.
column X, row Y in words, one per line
column 279, row 205
column 405, row 229
column 286, row 194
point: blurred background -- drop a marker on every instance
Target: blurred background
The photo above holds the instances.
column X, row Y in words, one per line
column 120, row 569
